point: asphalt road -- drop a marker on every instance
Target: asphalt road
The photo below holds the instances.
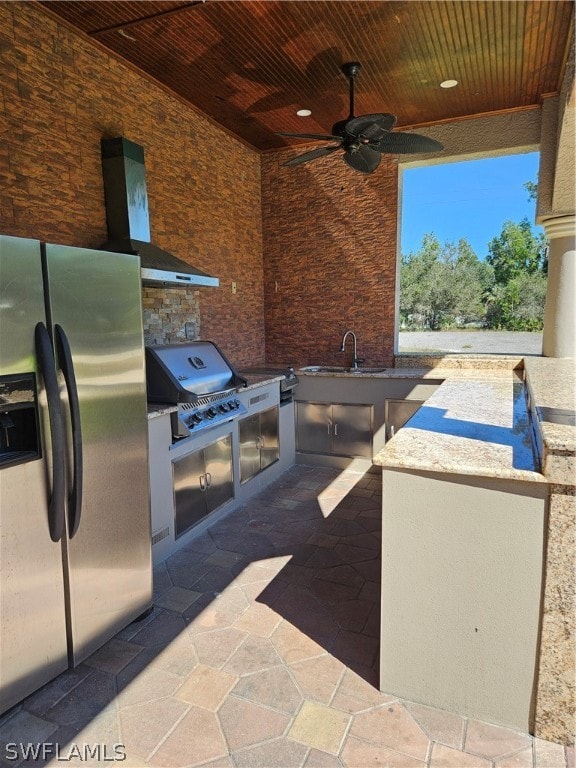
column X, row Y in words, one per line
column 471, row 342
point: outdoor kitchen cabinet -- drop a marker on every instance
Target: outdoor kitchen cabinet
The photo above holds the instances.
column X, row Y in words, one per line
column 397, row 413
column 259, row 442
column 340, row 429
column 202, row 483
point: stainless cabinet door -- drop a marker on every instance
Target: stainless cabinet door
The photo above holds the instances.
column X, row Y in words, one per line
column 218, row 464
column 314, row 427
column 352, row 430
column 269, row 440
column 397, row 413
column 249, row 433
column 190, row 502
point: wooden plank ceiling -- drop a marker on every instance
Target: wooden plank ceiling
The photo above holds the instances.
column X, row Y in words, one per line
column 251, row 65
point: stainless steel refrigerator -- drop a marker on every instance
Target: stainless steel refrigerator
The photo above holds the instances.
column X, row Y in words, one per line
column 75, row 545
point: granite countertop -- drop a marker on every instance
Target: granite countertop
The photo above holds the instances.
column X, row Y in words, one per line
column 469, row 426
column 440, row 373
column 259, row 379
column 477, row 422
column 376, row 373
column 551, row 387
column 160, row 409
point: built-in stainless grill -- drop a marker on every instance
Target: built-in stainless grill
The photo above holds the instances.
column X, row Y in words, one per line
column 197, row 378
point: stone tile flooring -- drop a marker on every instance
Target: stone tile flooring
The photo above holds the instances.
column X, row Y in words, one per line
column 261, row 652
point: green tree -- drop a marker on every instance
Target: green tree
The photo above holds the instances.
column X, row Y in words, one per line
column 470, row 280
column 518, row 305
column 421, row 299
column 516, row 250
column 532, row 188
column 519, row 258
column 446, row 286
column 442, row 286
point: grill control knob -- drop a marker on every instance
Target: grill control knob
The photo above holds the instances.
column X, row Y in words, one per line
column 223, row 407
column 211, row 412
column 197, row 418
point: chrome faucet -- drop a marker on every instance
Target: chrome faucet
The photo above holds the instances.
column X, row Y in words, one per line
column 356, row 359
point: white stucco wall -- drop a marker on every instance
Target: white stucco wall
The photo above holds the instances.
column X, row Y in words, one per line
column 556, row 188
column 487, row 136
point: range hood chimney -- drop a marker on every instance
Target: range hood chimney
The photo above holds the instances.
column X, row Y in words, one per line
column 128, row 222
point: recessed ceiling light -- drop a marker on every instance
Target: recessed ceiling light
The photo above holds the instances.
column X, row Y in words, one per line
column 448, row 83
column 304, row 112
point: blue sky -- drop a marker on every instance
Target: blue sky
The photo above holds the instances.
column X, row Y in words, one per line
column 470, row 200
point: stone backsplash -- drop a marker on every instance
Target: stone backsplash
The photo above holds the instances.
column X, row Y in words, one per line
column 171, row 315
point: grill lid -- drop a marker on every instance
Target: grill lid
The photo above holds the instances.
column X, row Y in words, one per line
column 182, row 373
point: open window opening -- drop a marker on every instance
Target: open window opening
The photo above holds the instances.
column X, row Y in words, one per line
column 472, row 263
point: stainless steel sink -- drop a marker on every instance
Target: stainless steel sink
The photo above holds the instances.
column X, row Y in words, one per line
column 340, row 369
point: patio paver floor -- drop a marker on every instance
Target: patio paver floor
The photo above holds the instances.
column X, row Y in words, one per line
column 261, row 652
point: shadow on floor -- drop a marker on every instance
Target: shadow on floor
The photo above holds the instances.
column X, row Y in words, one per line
column 297, row 569
column 329, row 587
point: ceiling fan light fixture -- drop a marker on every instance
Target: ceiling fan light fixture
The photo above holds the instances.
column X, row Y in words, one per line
column 304, row 112
column 448, row 83
column 363, row 139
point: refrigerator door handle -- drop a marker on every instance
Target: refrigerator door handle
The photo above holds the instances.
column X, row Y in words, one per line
column 45, row 357
column 67, row 367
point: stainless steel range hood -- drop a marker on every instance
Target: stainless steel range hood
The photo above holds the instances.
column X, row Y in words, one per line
column 128, row 221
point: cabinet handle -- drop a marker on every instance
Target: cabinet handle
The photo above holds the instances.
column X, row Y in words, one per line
column 335, row 430
column 202, row 482
column 392, row 430
column 208, row 477
column 329, row 425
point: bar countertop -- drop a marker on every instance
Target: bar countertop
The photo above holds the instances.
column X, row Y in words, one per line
column 476, row 426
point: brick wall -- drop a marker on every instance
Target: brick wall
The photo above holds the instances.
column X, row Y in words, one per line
column 60, row 94
column 328, row 233
column 330, row 260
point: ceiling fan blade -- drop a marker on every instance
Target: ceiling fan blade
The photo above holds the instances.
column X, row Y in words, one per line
column 312, row 155
column 363, row 159
column 319, row 136
column 406, row 143
column 371, row 127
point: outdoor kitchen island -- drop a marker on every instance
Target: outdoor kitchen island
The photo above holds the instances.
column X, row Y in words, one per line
column 468, row 573
column 199, row 478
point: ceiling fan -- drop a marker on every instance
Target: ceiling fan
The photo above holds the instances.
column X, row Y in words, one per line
column 364, row 138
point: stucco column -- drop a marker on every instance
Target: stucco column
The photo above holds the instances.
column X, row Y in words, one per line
column 559, row 337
